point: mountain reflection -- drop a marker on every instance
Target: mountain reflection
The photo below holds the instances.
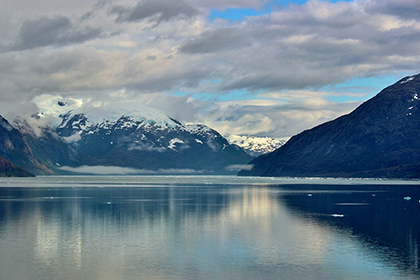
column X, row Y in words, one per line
column 382, row 218
column 205, row 232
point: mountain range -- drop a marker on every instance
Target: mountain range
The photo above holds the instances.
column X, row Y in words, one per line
column 139, row 140
column 380, row 138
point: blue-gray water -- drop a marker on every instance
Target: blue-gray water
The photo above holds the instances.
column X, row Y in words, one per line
column 204, row 227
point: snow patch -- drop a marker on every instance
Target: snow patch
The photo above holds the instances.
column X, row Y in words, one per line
column 198, row 129
column 72, row 138
column 107, row 115
column 408, row 79
column 255, row 145
column 172, row 143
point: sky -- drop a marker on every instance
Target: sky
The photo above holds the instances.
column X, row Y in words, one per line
column 245, row 67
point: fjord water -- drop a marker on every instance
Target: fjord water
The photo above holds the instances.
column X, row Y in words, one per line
column 208, row 227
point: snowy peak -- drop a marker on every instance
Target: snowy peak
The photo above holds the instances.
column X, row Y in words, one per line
column 93, row 121
column 154, row 142
column 59, row 110
column 256, row 146
column 91, row 133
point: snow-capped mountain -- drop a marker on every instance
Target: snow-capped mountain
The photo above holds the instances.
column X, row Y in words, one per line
column 256, row 146
column 146, row 139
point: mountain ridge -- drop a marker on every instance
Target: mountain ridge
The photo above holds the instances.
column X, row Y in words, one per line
column 15, row 149
column 154, row 141
column 380, row 138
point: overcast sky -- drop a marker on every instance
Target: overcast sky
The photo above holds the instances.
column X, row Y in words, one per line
column 249, row 67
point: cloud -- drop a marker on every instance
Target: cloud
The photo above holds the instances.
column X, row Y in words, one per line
column 224, row 4
column 56, row 31
column 311, row 45
column 282, row 116
column 263, row 75
column 117, row 170
column 104, row 170
column 404, row 9
column 239, row 167
column 224, row 39
column 155, row 10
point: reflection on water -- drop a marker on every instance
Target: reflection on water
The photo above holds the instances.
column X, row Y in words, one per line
column 217, row 231
column 385, row 219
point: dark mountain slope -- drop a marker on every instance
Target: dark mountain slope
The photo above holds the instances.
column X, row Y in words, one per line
column 47, row 146
column 15, row 149
column 8, row 169
column 381, row 138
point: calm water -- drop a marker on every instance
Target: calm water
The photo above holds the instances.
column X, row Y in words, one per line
column 208, row 228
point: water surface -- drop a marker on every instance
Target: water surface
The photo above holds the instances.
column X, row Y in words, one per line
column 208, row 227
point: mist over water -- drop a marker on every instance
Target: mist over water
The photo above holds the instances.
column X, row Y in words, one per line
column 208, row 227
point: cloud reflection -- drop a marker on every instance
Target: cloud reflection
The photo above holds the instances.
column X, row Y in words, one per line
column 191, row 232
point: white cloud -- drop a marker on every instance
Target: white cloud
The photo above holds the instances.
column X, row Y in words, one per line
column 283, row 115
column 117, row 170
column 239, row 167
column 103, row 170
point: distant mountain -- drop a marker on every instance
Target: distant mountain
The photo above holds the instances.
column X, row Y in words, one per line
column 256, row 146
column 146, row 139
column 381, row 138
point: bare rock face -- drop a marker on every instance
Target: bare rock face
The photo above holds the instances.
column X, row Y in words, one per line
column 380, row 138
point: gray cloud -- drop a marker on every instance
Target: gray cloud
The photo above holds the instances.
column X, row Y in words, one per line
column 224, row 4
column 224, row 39
column 154, row 10
column 405, row 9
column 56, row 31
column 311, row 45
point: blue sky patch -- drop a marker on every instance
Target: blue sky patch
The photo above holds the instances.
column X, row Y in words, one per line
column 233, row 14
column 363, row 88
